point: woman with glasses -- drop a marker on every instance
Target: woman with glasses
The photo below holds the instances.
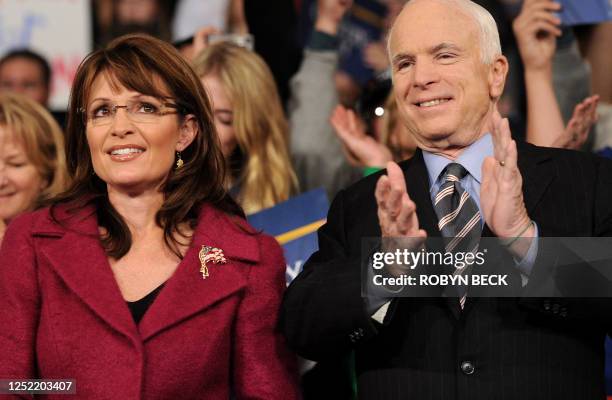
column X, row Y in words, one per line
column 142, row 279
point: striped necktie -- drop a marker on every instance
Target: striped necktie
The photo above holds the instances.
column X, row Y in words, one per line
column 458, row 217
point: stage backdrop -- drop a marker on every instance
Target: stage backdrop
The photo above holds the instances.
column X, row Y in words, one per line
column 60, row 30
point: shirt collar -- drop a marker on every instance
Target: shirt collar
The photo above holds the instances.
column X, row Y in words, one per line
column 471, row 159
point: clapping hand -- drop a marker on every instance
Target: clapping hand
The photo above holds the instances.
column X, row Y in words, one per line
column 578, row 127
column 501, row 190
column 360, row 149
column 397, row 215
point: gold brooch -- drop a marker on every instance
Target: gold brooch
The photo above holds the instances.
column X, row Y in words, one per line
column 208, row 254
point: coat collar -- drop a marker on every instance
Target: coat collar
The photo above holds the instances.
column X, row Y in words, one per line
column 537, row 172
column 73, row 250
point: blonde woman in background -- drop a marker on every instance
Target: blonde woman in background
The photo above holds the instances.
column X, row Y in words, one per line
column 32, row 160
column 251, row 125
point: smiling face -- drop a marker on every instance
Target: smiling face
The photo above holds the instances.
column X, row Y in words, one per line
column 445, row 93
column 224, row 113
column 20, row 181
column 133, row 156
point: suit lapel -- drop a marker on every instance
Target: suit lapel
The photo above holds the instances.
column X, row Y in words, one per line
column 186, row 293
column 75, row 254
column 537, row 172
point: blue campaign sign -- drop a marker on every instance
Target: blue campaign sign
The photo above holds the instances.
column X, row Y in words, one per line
column 363, row 25
column 584, row 12
column 294, row 224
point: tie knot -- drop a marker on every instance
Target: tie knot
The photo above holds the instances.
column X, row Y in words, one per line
column 454, row 172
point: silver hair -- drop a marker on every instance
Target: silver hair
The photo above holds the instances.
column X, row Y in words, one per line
column 490, row 45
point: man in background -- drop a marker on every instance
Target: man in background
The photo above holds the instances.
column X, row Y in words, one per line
column 28, row 73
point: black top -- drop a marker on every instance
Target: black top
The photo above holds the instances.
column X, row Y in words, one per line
column 138, row 308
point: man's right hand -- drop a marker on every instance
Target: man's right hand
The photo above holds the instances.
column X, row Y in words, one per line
column 397, row 215
column 396, row 211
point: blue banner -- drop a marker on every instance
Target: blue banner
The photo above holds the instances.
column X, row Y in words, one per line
column 294, row 224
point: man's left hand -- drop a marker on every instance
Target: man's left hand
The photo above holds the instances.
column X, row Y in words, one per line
column 501, row 191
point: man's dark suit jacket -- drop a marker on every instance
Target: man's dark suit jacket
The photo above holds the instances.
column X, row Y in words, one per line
column 497, row 348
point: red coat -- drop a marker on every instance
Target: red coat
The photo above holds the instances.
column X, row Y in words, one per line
column 62, row 315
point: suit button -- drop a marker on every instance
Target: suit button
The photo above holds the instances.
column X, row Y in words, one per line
column 356, row 335
column 546, row 305
column 467, row 367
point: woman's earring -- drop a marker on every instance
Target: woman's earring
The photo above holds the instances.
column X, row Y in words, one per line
column 179, row 160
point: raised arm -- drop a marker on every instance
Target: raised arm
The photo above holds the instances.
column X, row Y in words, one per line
column 316, row 152
column 536, row 29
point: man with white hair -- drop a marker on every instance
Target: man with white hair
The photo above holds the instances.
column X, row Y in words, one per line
column 468, row 180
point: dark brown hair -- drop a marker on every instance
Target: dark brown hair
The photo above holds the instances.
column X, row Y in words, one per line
column 137, row 62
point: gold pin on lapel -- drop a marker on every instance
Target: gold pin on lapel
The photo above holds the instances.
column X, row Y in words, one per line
column 210, row 254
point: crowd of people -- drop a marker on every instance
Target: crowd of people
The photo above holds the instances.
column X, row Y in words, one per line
column 127, row 262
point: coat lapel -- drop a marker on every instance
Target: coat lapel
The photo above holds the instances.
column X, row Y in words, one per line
column 186, row 293
column 537, row 172
column 74, row 252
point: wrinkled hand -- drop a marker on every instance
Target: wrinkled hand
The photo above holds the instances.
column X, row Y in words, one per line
column 536, row 29
column 360, row 149
column 330, row 13
column 501, row 190
column 375, row 56
column 397, row 216
column 578, row 127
